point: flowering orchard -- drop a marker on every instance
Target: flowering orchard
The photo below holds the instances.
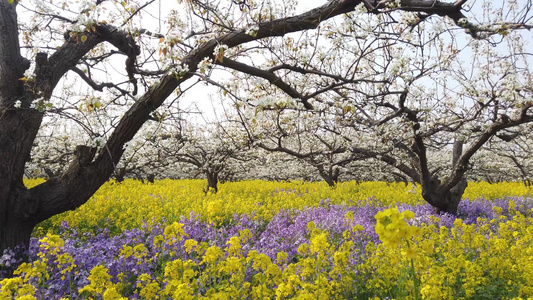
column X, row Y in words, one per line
column 393, row 81
column 280, row 241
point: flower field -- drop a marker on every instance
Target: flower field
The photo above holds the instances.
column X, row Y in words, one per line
column 274, row 240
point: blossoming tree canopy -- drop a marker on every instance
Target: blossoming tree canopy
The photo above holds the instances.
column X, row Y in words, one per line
column 408, row 100
column 107, row 67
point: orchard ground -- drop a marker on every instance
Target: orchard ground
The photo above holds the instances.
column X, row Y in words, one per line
column 280, row 240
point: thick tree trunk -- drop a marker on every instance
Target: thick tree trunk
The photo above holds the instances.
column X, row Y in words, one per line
column 329, row 181
column 15, row 206
column 17, row 231
column 447, row 201
column 212, row 182
column 331, row 176
column 455, row 195
column 438, row 194
column 18, row 128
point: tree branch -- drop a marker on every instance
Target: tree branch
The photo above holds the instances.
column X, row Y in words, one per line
column 68, row 55
column 461, row 167
column 94, row 85
column 270, row 76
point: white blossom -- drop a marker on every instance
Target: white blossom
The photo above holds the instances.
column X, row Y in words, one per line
column 219, row 50
column 182, row 69
column 98, row 142
column 252, row 30
column 179, row 70
column 204, row 65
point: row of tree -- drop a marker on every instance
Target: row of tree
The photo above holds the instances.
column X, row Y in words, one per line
column 220, row 152
column 401, row 86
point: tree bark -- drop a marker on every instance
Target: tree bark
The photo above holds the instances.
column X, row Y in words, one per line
column 212, row 182
column 446, row 198
column 444, row 201
column 18, row 128
column 331, row 177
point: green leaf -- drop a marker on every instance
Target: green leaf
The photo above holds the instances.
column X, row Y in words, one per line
column 10, row 1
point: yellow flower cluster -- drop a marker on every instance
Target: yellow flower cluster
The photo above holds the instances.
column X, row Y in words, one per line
column 101, row 286
column 17, row 288
column 494, row 191
column 392, row 230
column 392, row 227
column 131, row 204
column 464, row 262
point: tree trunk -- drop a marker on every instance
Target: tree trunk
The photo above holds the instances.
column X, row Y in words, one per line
column 17, row 231
column 445, row 202
column 18, row 223
column 329, row 180
column 212, row 181
column 331, row 176
column 150, row 178
column 437, row 194
column 120, row 175
column 18, row 128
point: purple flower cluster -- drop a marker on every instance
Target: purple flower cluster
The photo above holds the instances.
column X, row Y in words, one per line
column 285, row 232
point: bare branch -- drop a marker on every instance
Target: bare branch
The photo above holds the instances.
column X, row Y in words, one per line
column 270, row 76
column 94, row 85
